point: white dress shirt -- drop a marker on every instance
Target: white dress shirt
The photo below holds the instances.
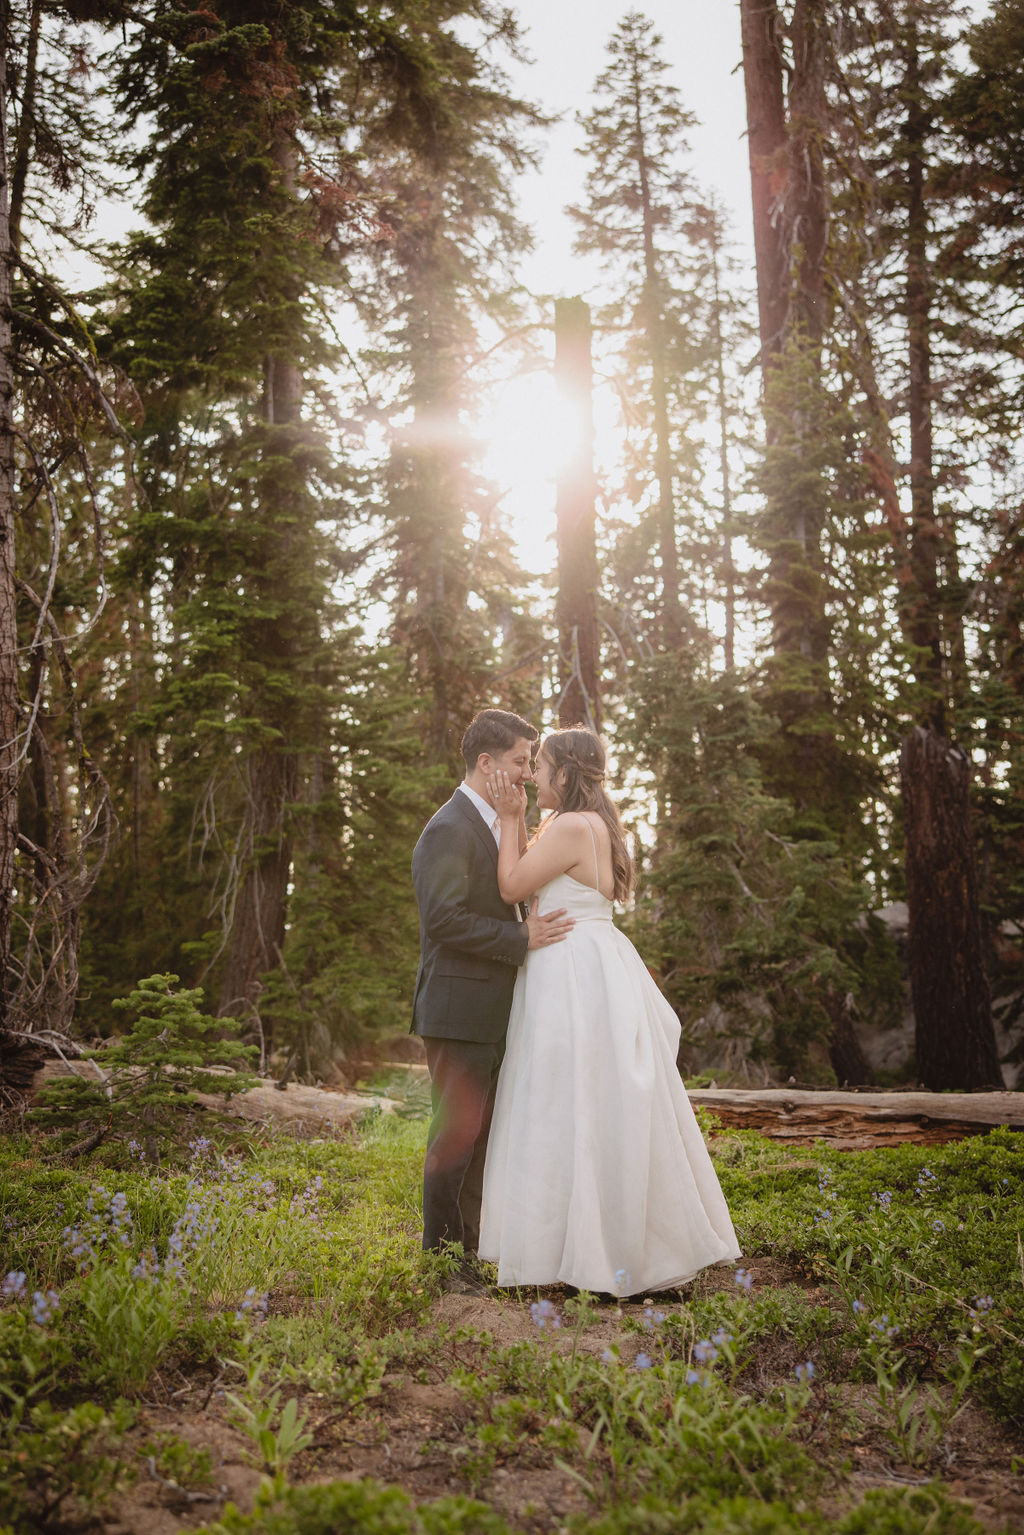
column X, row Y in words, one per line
column 492, row 820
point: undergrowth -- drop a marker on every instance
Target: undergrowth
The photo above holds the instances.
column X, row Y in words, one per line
column 879, row 1300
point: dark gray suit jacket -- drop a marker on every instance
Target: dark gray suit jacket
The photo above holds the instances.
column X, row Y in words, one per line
column 471, row 943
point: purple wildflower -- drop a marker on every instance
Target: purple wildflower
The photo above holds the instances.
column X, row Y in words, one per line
column 44, row 1304
column 13, row 1287
column 545, row 1315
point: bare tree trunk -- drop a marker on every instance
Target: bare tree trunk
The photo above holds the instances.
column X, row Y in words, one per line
column 722, row 408
column 922, row 618
column 261, row 906
column 766, row 140
column 576, row 604
column 22, row 154
column 790, row 228
column 9, row 700
column 270, row 777
column 952, row 1007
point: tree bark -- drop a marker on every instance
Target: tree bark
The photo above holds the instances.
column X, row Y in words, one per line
column 9, row 700
column 261, row 906
column 956, row 1045
column 722, row 411
column 766, row 141
column 956, row 1049
column 576, row 603
column 22, row 155
column 271, row 773
column 922, row 619
column 790, row 229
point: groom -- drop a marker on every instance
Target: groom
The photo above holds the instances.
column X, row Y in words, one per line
column 471, row 945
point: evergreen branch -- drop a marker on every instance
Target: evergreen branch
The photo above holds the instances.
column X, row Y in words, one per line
column 59, row 297
column 43, row 333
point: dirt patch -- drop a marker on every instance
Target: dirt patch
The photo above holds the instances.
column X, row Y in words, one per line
column 416, row 1433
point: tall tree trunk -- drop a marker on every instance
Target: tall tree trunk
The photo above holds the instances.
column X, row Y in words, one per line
column 956, row 1045
column 722, row 410
column 9, row 702
column 766, row 143
column 576, row 604
column 952, row 1005
column 22, row 155
column 271, row 773
column 790, row 227
column 654, row 329
column 261, row 905
column 923, row 623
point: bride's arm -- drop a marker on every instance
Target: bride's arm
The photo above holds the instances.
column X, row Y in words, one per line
column 521, row 870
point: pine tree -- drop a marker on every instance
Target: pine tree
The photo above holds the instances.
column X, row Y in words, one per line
column 637, row 194
column 55, row 823
column 442, row 274
column 897, row 72
column 788, row 61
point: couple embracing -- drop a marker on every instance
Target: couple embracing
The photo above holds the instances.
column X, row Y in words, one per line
column 562, row 1146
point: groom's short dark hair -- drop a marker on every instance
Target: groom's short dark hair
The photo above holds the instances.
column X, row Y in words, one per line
column 495, row 731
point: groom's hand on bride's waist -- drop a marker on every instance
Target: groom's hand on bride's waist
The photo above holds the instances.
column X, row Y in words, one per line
column 552, row 927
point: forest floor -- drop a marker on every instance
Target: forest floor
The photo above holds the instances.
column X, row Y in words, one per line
column 250, row 1341
column 417, row 1433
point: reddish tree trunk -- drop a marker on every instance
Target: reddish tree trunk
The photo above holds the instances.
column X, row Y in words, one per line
column 766, row 140
column 270, row 777
column 956, row 1045
column 9, row 702
column 952, row 1007
column 922, row 623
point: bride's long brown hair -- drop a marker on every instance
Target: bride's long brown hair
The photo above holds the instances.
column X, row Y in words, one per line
column 578, row 759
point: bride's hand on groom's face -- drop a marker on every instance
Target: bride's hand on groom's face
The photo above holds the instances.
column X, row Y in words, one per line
column 508, row 798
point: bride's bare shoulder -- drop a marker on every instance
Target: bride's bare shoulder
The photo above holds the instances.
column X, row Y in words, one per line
column 580, row 820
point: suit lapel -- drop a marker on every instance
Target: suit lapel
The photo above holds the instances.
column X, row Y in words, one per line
column 466, row 808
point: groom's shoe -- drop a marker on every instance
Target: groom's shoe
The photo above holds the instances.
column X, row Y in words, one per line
column 466, row 1279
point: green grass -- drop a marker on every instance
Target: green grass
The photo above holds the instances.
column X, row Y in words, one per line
column 885, row 1312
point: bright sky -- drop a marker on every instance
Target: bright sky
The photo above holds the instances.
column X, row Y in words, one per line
column 568, row 42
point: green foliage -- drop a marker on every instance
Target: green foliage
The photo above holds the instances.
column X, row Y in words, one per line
column 747, row 916
column 170, row 1051
column 277, row 1433
column 128, row 1324
column 58, row 1464
column 183, row 1465
column 355, row 1508
column 909, row 1511
column 889, row 1275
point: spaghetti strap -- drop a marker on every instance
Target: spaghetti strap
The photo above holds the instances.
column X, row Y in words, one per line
column 597, row 868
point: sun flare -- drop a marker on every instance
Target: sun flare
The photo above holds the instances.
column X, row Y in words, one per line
column 528, row 436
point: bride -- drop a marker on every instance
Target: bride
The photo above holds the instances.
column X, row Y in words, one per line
column 597, row 1175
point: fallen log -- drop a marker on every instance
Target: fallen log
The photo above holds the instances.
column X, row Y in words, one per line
column 853, row 1121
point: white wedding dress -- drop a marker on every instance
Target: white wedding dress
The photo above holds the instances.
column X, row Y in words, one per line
column 597, row 1174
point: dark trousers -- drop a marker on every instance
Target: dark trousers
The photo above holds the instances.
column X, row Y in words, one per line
column 463, row 1077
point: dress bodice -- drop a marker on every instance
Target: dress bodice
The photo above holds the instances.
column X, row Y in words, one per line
column 581, row 902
